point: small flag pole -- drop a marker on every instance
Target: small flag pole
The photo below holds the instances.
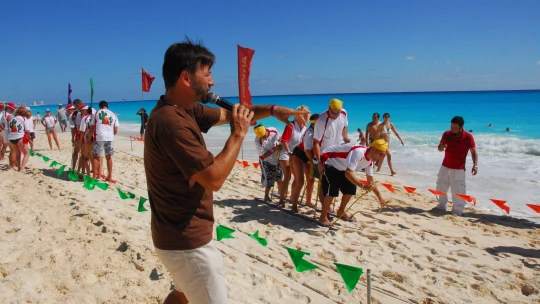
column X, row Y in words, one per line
column 368, row 286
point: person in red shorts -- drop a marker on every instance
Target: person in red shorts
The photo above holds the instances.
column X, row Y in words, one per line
column 456, row 144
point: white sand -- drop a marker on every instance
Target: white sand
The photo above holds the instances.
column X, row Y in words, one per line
column 59, row 243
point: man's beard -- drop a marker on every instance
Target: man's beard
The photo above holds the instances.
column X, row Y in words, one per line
column 200, row 89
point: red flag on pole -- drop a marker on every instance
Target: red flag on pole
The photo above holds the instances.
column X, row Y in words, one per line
column 147, row 80
column 244, row 69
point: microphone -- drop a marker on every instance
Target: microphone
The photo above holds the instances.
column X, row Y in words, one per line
column 212, row 97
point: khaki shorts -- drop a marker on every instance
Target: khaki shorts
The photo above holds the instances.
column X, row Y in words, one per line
column 198, row 273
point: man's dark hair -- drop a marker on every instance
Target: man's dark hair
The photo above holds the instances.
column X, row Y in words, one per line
column 77, row 102
column 314, row 117
column 185, row 56
column 103, row 104
column 377, row 114
column 458, row 120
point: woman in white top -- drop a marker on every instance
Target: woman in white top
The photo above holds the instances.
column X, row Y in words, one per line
column 18, row 138
column 291, row 137
column 383, row 131
column 29, row 124
column 49, row 122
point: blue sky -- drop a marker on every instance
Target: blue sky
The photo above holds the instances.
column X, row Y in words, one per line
column 301, row 47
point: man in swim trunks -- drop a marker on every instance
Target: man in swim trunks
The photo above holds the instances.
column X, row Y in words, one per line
column 372, row 127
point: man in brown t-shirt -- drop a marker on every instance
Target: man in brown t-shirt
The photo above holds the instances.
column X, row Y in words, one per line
column 182, row 174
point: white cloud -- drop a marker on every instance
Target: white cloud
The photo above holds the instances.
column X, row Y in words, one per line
column 410, row 58
column 538, row 63
column 448, row 62
column 303, row 76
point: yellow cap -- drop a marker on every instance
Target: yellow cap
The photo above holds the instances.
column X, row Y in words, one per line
column 336, row 104
column 379, row 144
column 313, row 121
column 260, row 131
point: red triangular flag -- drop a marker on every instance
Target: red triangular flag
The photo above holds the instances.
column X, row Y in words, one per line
column 467, row 198
column 238, row 161
column 246, row 164
column 409, row 189
column 256, row 165
column 501, row 204
column 147, row 80
column 365, row 182
column 536, row 208
column 389, row 187
column 437, row 192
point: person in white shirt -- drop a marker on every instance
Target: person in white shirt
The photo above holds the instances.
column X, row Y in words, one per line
column 302, row 162
column 4, row 142
column 330, row 128
column 338, row 164
column 70, row 109
column 77, row 142
column 38, row 119
column 104, row 126
column 49, row 122
column 291, row 137
column 86, row 140
column 18, row 138
column 29, row 124
column 268, row 147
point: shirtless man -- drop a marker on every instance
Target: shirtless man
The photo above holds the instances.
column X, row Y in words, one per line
column 372, row 128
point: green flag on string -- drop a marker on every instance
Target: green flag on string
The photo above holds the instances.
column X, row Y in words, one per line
column 350, row 275
column 54, row 163
column 45, row 158
column 141, row 204
column 101, row 185
column 91, row 91
column 297, row 258
column 122, row 194
column 61, row 170
column 256, row 237
column 32, row 153
column 223, row 232
column 131, row 195
column 73, row 175
column 37, row 154
column 89, row 183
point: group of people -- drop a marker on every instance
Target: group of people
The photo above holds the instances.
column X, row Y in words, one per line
column 316, row 152
column 92, row 134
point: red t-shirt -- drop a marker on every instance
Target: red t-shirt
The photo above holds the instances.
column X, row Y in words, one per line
column 457, row 148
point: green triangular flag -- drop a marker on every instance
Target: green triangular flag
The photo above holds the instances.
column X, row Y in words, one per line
column 299, row 263
column 122, row 194
column 102, row 186
column 349, row 274
column 45, row 158
column 141, row 204
column 61, row 170
column 32, row 153
column 89, row 183
column 224, row 232
column 130, row 195
column 73, row 175
column 256, row 237
column 37, row 154
column 54, row 163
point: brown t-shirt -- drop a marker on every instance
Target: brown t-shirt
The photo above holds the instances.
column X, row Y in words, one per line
column 174, row 150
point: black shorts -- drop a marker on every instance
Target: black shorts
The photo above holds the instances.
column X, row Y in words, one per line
column 32, row 135
column 15, row 141
column 335, row 181
column 300, row 154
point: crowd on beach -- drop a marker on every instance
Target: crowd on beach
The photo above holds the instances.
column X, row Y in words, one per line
column 92, row 135
column 317, row 147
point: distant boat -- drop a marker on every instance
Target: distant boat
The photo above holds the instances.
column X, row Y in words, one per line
column 34, row 103
column 42, row 103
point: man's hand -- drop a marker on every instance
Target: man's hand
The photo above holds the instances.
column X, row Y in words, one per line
column 442, row 146
column 321, row 168
column 283, row 114
column 240, row 120
column 474, row 170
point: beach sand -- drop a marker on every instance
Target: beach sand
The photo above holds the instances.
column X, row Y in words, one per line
column 61, row 243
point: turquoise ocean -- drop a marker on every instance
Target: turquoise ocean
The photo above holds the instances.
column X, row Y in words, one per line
column 509, row 162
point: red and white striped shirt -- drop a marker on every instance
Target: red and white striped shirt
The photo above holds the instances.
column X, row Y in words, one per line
column 348, row 156
column 264, row 145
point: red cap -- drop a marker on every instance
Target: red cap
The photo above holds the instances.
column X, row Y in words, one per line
column 1, row 105
column 69, row 106
column 11, row 105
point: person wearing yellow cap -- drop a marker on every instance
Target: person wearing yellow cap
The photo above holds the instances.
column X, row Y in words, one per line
column 339, row 162
column 330, row 128
column 268, row 146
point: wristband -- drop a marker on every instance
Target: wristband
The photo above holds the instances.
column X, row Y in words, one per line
column 272, row 110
